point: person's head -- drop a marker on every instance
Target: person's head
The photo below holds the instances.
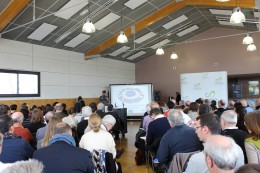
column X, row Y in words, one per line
column 207, row 101
column 95, row 122
column 243, row 102
column 206, row 125
column 48, row 116
column 181, row 102
column 249, row 168
column 170, row 104
column 28, row 166
column 257, row 102
column 100, row 106
column 86, row 111
column 17, row 117
column 4, row 109
column 79, row 98
column 194, row 106
column 240, row 110
column 213, row 108
column 93, row 106
column 204, row 108
column 221, row 103
column 199, row 101
column 175, row 118
column 5, row 123
column 231, row 104
column 62, row 128
column 180, row 108
column 228, row 119
column 154, row 105
column 221, row 153
column 33, row 107
column 148, row 108
column 104, row 92
column 37, row 116
column 58, row 107
column 252, row 122
column 213, row 102
column 25, row 113
column 155, row 112
column 13, row 107
column 64, row 106
column 71, row 111
column 50, row 130
column 110, row 107
column 109, row 121
column 187, row 103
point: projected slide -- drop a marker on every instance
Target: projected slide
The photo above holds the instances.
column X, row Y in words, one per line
column 206, row 85
column 134, row 97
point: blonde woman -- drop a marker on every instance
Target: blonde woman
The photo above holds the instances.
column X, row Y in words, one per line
column 49, row 132
column 97, row 138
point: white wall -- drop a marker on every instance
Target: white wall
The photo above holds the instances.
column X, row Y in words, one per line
column 64, row 74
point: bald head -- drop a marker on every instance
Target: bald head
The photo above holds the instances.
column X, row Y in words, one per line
column 243, row 102
column 17, row 117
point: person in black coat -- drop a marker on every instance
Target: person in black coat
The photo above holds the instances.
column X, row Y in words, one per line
column 62, row 155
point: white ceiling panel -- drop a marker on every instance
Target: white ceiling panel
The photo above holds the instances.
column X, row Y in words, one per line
column 119, row 51
column 187, row 31
column 229, row 24
column 71, row 8
column 42, row 31
column 134, row 3
column 105, row 21
column 257, row 14
column 145, row 37
column 175, row 22
column 155, row 46
column 134, row 56
column 77, row 40
column 221, row 12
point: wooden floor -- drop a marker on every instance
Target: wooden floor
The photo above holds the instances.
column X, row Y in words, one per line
column 127, row 159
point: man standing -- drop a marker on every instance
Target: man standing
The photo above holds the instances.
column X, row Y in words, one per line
column 103, row 98
column 62, row 155
column 179, row 139
column 208, row 125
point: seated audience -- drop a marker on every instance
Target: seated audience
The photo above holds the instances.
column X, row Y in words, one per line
column 14, row 148
column 30, row 166
column 179, row 139
column 37, row 121
column 193, row 113
column 246, row 106
column 59, row 111
column 13, row 108
column 117, row 127
column 221, row 154
column 241, row 112
column 204, row 108
column 186, row 118
column 62, row 155
column 5, row 110
column 27, row 118
column 207, row 125
column 70, row 119
column 170, row 105
column 41, row 131
column 157, row 128
column 230, row 105
column 101, row 110
column 252, row 143
column 19, row 130
column 97, row 139
column 221, row 107
column 83, row 124
column 108, row 122
column 49, row 132
column 228, row 125
column 249, row 168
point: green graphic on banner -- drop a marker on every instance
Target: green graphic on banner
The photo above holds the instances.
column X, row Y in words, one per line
column 210, row 95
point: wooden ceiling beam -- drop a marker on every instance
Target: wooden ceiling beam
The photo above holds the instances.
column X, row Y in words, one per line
column 163, row 12
column 11, row 11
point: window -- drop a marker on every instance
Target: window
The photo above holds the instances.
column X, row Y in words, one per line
column 15, row 83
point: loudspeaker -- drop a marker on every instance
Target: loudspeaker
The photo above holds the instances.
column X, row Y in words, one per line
column 157, row 96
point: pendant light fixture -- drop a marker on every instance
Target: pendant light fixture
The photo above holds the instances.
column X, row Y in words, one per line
column 88, row 27
column 237, row 16
column 122, row 37
column 248, row 39
column 159, row 51
column 174, row 55
column 251, row 47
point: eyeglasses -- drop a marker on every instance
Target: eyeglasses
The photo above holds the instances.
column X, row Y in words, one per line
column 198, row 127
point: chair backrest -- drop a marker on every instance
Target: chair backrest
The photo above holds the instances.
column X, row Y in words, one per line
column 178, row 162
column 103, row 162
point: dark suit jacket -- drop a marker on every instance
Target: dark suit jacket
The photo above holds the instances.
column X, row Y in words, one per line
column 62, row 157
